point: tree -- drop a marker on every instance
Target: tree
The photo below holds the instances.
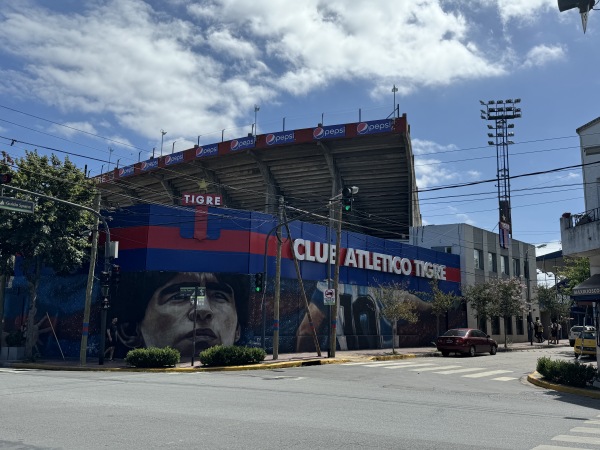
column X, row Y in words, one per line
column 507, row 299
column 574, row 271
column 479, row 297
column 395, row 305
column 52, row 236
column 553, row 301
column 441, row 302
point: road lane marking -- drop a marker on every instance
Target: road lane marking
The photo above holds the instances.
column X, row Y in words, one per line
column 504, row 379
column 593, row 422
column 557, row 447
column 427, row 369
column 486, row 374
column 585, row 430
column 447, row 372
column 577, row 439
column 414, row 365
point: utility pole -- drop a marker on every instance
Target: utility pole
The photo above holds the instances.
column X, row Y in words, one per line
column 277, row 284
column 90, row 285
column 336, row 284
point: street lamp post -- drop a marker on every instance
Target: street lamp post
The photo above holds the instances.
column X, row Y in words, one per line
column 394, row 90
column 256, row 109
column 162, row 136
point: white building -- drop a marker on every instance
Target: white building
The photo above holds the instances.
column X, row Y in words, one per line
column 481, row 259
column 580, row 232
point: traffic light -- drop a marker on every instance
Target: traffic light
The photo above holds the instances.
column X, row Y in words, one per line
column 259, row 282
column 105, row 283
column 347, row 198
column 115, row 274
column 5, row 178
column 583, row 5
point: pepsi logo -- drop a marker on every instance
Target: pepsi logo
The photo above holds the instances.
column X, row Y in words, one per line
column 362, row 128
column 270, row 139
column 167, row 159
column 121, row 172
column 318, row 133
column 235, row 144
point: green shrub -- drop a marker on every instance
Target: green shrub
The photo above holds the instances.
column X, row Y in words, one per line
column 566, row 372
column 152, row 357
column 231, row 355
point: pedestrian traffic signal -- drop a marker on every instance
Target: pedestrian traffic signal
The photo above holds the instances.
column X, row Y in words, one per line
column 105, row 283
column 5, row 178
column 258, row 282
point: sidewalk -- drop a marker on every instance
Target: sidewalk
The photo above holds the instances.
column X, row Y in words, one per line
column 283, row 360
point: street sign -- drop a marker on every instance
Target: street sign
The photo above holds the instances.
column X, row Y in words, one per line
column 329, row 297
column 17, row 205
column 195, row 293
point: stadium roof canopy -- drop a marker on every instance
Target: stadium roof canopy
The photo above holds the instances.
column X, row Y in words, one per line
column 306, row 166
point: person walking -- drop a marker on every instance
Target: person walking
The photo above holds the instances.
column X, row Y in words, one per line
column 111, row 335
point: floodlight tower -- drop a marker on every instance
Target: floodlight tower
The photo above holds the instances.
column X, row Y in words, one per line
column 501, row 113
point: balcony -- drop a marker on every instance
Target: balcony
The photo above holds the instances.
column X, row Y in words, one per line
column 580, row 233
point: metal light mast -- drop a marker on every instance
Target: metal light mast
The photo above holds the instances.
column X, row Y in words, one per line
column 501, row 112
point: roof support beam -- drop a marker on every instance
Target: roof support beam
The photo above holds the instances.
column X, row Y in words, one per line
column 272, row 189
column 215, row 185
column 172, row 192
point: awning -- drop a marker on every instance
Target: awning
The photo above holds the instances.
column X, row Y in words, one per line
column 588, row 290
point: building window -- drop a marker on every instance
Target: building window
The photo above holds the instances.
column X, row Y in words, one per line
column 478, row 258
column 492, row 262
column 483, row 324
column 496, row 325
column 504, row 264
column 520, row 328
column 508, row 324
column 516, row 267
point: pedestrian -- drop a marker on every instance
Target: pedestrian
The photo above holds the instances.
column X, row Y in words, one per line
column 531, row 328
column 553, row 330
column 539, row 330
column 558, row 332
column 111, row 335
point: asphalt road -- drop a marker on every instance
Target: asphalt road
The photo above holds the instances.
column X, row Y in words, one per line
column 423, row 403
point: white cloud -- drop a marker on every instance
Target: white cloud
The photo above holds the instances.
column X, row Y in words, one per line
column 72, row 128
column 543, row 54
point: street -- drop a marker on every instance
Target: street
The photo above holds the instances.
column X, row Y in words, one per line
column 420, row 403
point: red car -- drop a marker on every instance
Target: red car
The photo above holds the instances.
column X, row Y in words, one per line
column 467, row 341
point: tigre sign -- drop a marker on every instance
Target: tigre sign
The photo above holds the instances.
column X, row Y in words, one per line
column 188, row 198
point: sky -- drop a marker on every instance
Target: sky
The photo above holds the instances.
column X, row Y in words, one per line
column 99, row 81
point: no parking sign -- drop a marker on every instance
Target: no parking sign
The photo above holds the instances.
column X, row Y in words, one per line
column 329, row 297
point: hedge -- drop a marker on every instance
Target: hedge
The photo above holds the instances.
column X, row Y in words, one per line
column 566, row 372
column 152, row 357
column 231, row 355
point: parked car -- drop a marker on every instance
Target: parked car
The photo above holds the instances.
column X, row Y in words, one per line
column 467, row 341
column 575, row 331
column 589, row 344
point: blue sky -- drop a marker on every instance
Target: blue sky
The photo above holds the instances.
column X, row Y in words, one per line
column 100, row 79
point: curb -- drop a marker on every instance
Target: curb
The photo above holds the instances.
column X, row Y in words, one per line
column 537, row 379
column 261, row 366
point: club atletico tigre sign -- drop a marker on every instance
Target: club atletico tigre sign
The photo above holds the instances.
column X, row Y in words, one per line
column 305, row 250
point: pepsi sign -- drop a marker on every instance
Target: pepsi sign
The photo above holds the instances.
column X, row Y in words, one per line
column 242, row 143
column 374, row 126
column 125, row 171
column 207, row 150
column 332, row 131
column 283, row 137
column 173, row 159
column 149, row 165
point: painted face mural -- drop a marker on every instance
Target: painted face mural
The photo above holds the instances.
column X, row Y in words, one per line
column 170, row 315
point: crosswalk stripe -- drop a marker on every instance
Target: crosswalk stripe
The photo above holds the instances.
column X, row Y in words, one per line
column 504, row 379
column 593, row 422
column 577, row 439
column 383, row 364
column 486, row 374
column 447, row 372
column 585, row 430
column 414, row 365
column 556, row 447
column 428, row 369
